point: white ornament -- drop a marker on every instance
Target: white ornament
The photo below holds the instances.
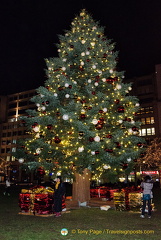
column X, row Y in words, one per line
column 82, row 63
column 137, row 104
column 83, row 41
column 38, row 104
column 106, row 166
column 83, row 54
column 37, row 135
column 38, row 150
column 130, row 130
column 80, row 149
column 129, row 159
column 92, row 43
column 64, row 59
column 21, row 160
column 94, row 28
column 89, row 80
column 36, row 129
column 87, row 53
column 43, row 108
column 105, row 109
column 50, row 68
column 94, row 66
column 130, row 88
column 41, row 95
column 63, row 68
column 66, row 85
column 111, row 71
column 94, row 121
column 120, row 121
column 83, row 111
column 55, row 94
column 75, row 82
column 118, row 86
column 92, row 152
column 97, row 139
column 59, row 50
column 67, row 95
column 96, row 83
column 104, row 79
column 100, row 72
column 65, row 117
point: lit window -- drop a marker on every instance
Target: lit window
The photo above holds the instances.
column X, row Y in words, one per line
column 153, row 131
column 143, row 132
column 152, row 120
column 143, row 120
column 13, row 149
column 13, row 158
column 149, row 131
column 148, row 120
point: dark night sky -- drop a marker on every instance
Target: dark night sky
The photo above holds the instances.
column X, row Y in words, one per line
column 29, row 29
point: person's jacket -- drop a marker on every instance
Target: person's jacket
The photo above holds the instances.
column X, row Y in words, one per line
column 147, row 187
column 60, row 191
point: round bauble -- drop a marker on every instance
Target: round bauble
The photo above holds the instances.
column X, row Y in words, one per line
column 97, row 139
column 36, row 129
column 120, row 109
column 82, row 116
column 91, row 139
column 94, row 121
column 106, row 166
column 67, row 95
column 98, row 126
column 66, row 85
column 49, row 126
column 80, row 149
column 21, row 160
column 65, row 117
column 97, row 152
column 57, row 140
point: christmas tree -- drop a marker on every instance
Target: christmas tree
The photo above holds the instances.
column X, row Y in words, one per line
column 85, row 117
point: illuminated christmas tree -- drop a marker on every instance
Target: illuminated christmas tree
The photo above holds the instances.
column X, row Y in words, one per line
column 152, row 157
column 85, row 117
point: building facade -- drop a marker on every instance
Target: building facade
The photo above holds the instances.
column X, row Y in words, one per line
column 12, row 107
column 148, row 90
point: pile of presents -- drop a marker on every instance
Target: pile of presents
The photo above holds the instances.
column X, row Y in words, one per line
column 103, row 192
column 129, row 198
column 38, row 200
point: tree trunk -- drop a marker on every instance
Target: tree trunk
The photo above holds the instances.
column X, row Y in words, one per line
column 81, row 187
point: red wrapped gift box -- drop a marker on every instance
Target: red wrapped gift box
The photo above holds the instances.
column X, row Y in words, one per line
column 38, row 203
column 99, row 192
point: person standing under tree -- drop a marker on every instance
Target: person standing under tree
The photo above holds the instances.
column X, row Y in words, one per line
column 147, row 186
column 58, row 195
column 7, row 187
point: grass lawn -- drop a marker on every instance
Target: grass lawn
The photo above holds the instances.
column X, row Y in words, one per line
column 83, row 223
